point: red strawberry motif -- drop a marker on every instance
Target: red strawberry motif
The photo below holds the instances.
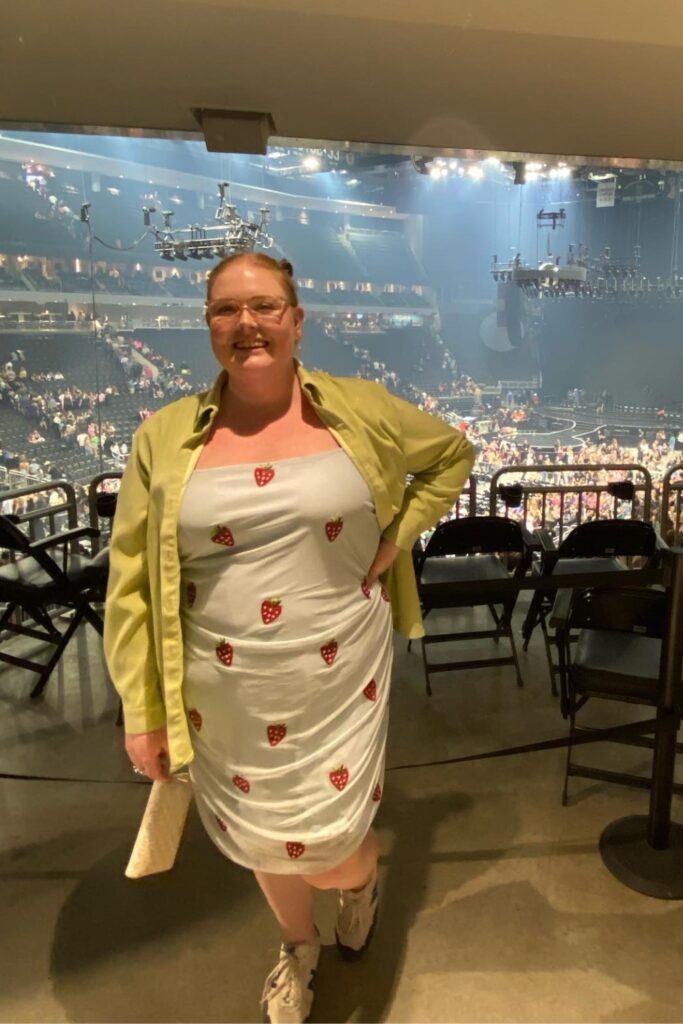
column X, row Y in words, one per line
column 365, row 588
column 191, row 594
column 295, row 850
column 271, row 610
column 370, row 690
column 264, row 474
column 276, row 734
column 339, row 777
column 329, row 651
column 377, row 794
column 195, row 718
column 385, row 596
column 221, row 824
column 241, row 783
column 223, row 535
column 224, row 652
column 333, row 528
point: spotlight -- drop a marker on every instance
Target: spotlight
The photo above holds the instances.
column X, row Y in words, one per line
column 311, row 162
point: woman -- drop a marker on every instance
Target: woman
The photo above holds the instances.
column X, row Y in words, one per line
column 261, row 554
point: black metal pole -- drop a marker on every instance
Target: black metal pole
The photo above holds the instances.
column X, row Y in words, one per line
column 669, row 710
column 646, row 853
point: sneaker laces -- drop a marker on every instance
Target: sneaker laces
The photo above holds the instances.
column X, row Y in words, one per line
column 284, row 978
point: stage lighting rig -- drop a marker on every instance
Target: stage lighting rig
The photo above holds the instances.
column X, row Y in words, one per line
column 605, row 277
column 232, row 234
column 556, row 219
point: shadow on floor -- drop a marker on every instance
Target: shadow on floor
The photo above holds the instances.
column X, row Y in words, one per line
column 196, row 944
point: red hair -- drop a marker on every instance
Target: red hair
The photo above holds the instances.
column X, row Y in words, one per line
column 283, row 269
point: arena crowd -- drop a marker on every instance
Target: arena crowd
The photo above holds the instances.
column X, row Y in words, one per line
column 73, row 415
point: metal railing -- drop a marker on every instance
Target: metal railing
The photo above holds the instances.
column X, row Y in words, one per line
column 671, row 511
column 60, row 513
column 558, row 506
column 561, row 506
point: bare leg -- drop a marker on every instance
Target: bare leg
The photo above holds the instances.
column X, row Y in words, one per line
column 291, row 900
column 354, row 872
column 290, row 897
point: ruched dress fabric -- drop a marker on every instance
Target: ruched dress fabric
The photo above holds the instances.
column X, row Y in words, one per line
column 287, row 659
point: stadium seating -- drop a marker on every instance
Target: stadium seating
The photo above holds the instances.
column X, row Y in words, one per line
column 386, row 257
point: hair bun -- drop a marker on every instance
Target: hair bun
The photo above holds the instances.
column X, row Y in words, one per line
column 287, row 267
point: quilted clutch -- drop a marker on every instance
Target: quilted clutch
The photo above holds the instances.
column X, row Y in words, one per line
column 161, row 827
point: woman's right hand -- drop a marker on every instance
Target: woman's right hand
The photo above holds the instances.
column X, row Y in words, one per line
column 148, row 751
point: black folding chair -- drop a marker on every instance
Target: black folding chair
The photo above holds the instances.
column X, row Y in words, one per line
column 467, row 550
column 35, row 582
column 615, row 657
column 590, row 547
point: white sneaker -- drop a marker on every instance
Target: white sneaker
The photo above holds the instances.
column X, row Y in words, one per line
column 288, row 991
column 356, row 918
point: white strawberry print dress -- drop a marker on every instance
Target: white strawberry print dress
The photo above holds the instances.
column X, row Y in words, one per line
column 288, row 657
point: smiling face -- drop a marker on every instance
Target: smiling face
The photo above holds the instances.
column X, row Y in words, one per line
column 247, row 345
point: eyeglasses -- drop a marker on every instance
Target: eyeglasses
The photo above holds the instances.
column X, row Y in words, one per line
column 263, row 308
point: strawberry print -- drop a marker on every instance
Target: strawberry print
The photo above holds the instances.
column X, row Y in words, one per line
column 377, row 794
column 276, row 734
column 333, row 528
column 195, row 718
column 223, row 535
column 224, row 652
column 221, row 824
column 263, row 475
column 339, row 777
column 370, row 690
column 241, row 783
column 295, row 850
column 365, row 588
column 270, row 611
column 329, row 651
column 385, row 596
column 191, row 594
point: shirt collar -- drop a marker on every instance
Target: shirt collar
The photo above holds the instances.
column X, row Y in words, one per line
column 210, row 400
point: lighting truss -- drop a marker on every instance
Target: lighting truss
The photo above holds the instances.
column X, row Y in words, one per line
column 606, row 277
column 554, row 218
column 232, row 234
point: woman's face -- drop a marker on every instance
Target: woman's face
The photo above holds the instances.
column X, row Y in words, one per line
column 247, row 345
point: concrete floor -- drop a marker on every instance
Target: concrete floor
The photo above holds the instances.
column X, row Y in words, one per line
column 495, row 903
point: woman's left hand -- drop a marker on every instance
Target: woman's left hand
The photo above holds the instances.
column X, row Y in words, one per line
column 386, row 553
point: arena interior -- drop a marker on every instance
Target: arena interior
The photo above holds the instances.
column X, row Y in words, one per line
column 537, row 304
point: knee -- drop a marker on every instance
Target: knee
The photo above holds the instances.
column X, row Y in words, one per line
column 325, row 880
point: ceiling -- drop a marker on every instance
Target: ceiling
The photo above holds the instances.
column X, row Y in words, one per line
column 589, row 79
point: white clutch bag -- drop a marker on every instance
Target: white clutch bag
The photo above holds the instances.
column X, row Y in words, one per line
column 161, row 827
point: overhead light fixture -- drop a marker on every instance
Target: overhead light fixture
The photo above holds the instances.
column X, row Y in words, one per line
column 231, row 235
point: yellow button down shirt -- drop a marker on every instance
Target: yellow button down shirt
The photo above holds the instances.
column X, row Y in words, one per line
column 386, row 437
